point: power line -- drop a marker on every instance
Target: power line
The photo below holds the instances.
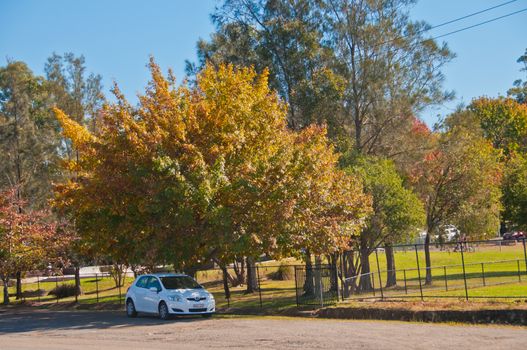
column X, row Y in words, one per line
column 479, row 24
column 468, row 16
column 457, row 20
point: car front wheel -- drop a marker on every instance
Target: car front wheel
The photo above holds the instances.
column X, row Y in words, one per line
column 130, row 309
column 163, row 311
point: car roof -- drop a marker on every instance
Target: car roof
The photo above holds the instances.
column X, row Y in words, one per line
column 165, row 274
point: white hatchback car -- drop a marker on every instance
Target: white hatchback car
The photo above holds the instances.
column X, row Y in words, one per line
column 168, row 294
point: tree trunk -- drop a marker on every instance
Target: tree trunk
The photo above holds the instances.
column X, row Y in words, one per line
column 333, row 258
column 239, row 270
column 391, row 278
column 348, row 271
column 225, row 281
column 252, row 284
column 365, row 279
column 78, row 289
column 18, row 285
column 308, row 284
column 5, row 281
column 428, row 280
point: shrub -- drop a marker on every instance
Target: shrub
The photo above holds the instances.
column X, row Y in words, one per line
column 64, row 291
column 284, row 273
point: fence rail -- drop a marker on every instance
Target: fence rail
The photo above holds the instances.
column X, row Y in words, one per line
column 468, row 270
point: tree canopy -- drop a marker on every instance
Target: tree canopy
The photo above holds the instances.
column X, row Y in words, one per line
column 208, row 170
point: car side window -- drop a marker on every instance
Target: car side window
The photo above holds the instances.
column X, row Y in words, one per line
column 154, row 282
column 141, row 283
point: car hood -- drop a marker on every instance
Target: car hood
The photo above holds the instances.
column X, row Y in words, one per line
column 189, row 293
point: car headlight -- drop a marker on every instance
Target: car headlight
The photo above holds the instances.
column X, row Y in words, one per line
column 211, row 296
column 174, row 298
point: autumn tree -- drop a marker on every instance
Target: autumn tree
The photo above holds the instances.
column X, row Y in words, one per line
column 26, row 237
column 459, row 183
column 285, row 37
column 503, row 121
column 210, row 171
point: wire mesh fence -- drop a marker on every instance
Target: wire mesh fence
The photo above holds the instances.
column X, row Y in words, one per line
column 468, row 270
column 480, row 269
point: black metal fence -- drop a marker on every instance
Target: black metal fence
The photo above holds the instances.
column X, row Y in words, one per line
column 492, row 269
column 463, row 270
column 316, row 286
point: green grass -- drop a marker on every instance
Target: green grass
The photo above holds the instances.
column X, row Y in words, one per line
column 488, row 269
column 501, row 279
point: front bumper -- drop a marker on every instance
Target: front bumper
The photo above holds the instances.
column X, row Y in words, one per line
column 189, row 308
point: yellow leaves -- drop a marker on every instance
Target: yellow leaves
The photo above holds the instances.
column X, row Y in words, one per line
column 77, row 133
column 211, row 164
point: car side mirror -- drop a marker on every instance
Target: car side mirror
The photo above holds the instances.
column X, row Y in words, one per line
column 154, row 289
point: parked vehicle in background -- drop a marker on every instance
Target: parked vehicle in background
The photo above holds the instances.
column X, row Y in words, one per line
column 168, row 294
column 516, row 235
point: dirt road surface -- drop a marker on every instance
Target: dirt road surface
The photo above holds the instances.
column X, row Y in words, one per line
column 87, row 330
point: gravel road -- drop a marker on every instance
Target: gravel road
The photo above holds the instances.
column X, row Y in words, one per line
column 87, row 330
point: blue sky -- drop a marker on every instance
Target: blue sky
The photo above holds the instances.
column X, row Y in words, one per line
column 118, row 36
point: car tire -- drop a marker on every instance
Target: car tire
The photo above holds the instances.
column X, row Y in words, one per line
column 130, row 308
column 206, row 315
column 163, row 311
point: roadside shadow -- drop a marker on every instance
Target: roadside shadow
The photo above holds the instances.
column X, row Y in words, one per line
column 15, row 321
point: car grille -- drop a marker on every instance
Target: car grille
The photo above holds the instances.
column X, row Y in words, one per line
column 197, row 299
column 198, row 310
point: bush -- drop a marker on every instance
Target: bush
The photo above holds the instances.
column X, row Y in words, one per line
column 284, row 273
column 64, row 291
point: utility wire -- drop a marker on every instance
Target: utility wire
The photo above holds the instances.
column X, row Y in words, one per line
column 468, row 16
column 457, row 20
column 479, row 24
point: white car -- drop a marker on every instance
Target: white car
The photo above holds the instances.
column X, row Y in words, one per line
column 168, row 294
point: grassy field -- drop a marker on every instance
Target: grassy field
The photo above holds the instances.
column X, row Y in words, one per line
column 491, row 271
column 503, row 269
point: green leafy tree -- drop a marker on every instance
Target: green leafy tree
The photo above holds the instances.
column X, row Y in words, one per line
column 390, row 68
column 519, row 91
column 515, row 192
column 28, row 134
column 397, row 212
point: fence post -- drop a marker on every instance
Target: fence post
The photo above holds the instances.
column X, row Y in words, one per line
column 464, row 273
column 97, row 286
column 259, row 285
column 296, row 288
column 342, row 275
column 524, row 254
column 379, row 273
column 446, row 280
column 372, row 277
column 419, row 272
column 38, row 288
column 519, row 274
column 405, row 288
column 483, row 273
column 57, row 287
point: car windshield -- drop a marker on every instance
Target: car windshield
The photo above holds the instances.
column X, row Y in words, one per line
column 180, row 282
